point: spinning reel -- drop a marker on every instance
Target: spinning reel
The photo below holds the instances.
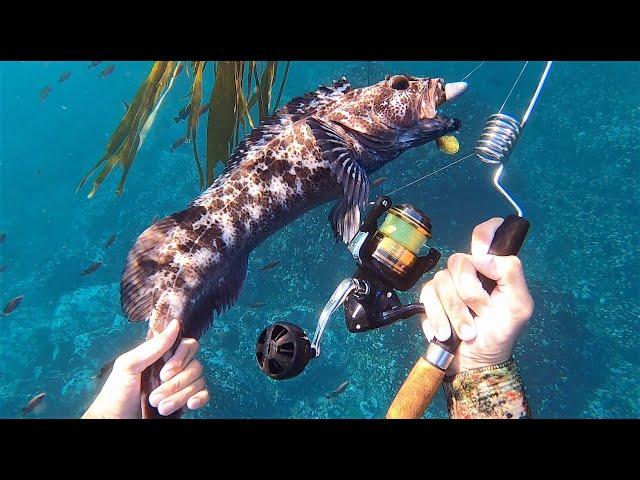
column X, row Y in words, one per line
column 387, row 260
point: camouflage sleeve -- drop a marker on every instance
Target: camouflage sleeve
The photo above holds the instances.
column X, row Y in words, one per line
column 490, row 392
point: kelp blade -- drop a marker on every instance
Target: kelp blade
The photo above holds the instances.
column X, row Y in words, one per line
column 222, row 117
column 122, row 146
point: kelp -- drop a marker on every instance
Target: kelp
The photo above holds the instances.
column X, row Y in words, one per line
column 131, row 132
column 222, row 117
column 194, row 115
column 229, row 113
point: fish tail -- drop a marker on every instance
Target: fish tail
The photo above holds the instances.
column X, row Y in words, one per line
column 143, row 297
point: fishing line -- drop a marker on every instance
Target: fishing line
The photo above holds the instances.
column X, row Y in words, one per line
column 469, row 74
column 513, row 86
column 429, row 174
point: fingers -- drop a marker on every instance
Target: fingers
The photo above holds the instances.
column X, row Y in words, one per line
column 185, row 352
column 198, row 400
column 509, row 276
column 178, row 400
column 191, row 374
column 437, row 323
column 482, row 235
column 457, row 311
column 136, row 360
column 467, row 284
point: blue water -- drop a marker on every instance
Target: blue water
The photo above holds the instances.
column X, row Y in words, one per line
column 575, row 170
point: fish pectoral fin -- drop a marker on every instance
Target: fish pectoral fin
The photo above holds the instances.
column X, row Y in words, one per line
column 345, row 216
column 345, row 220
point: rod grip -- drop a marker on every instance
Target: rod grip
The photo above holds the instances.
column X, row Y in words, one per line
column 421, row 385
column 416, row 392
column 507, row 240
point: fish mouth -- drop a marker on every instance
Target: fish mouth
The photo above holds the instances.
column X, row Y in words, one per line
column 431, row 125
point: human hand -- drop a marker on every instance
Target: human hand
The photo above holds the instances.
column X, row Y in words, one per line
column 487, row 339
column 182, row 380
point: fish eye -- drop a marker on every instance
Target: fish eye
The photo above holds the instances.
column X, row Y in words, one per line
column 399, row 82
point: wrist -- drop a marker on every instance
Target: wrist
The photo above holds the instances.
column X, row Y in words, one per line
column 462, row 363
column 494, row 391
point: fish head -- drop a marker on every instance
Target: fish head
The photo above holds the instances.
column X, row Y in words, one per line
column 398, row 113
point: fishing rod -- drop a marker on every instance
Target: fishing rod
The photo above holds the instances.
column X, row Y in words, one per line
column 387, row 261
column 494, row 147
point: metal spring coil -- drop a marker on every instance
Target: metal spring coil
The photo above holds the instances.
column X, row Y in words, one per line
column 498, row 138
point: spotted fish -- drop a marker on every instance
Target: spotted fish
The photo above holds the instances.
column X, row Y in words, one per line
column 315, row 149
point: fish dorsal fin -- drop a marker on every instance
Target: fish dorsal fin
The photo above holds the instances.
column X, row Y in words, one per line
column 294, row 110
column 345, row 215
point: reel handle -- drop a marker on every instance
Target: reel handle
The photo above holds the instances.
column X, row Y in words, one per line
column 423, row 381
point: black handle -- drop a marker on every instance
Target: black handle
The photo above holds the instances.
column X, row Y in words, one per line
column 507, row 240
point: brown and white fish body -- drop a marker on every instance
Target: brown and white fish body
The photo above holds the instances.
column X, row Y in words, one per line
column 34, row 403
column 12, row 305
column 317, row 148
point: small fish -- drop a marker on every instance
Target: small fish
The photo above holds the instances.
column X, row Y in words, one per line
column 33, row 403
column 12, row 305
column 64, row 77
column 95, row 63
column 107, row 71
column 91, row 268
column 178, row 143
column 38, row 172
column 182, row 114
column 44, row 93
column 204, row 109
column 257, row 305
column 2, row 237
column 105, row 370
column 378, row 181
column 126, row 106
column 270, row 265
column 110, row 241
column 341, row 388
column 2, row 268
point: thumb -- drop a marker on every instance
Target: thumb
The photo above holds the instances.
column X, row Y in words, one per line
column 506, row 271
column 136, row 360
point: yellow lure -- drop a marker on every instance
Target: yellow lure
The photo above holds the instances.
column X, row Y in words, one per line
column 448, row 144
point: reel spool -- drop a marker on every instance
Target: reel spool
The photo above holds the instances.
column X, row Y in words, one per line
column 283, row 350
